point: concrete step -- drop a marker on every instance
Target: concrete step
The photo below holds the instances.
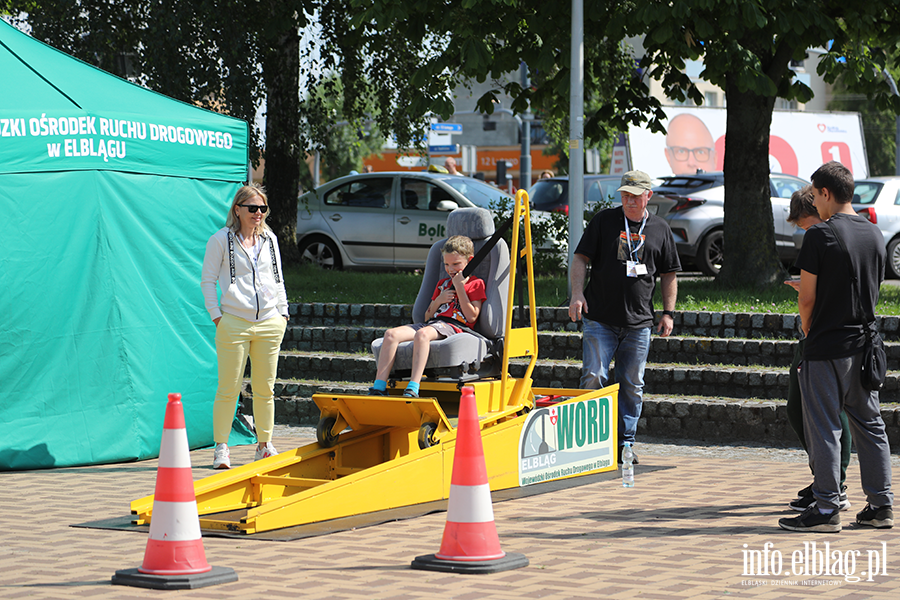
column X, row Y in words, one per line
column 555, row 345
column 664, row 414
column 755, row 325
column 707, row 380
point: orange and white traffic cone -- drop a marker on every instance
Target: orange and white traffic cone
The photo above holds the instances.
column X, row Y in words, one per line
column 470, row 543
column 174, row 558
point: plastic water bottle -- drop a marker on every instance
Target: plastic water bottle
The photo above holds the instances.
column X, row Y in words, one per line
column 627, row 465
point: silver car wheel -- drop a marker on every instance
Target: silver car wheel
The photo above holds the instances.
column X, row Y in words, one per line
column 893, row 259
column 322, row 252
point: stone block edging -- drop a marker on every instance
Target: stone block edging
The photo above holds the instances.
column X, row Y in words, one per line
column 687, row 323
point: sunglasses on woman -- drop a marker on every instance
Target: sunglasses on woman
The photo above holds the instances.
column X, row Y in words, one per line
column 255, row 207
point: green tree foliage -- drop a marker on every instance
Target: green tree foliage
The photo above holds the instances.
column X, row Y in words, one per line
column 747, row 48
column 879, row 126
column 342, row 144
column 390, row 62
column 481, row 40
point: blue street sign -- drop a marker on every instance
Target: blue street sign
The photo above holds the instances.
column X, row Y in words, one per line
column 447, row 127
column 449, row 149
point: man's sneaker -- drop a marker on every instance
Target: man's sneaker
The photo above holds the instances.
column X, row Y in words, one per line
column 376, row 392
column 410, row 394
column 221, row 457
column 805, row 492
column 805, row 499
column 812, row 520
column 879, row 518
column 266, row 451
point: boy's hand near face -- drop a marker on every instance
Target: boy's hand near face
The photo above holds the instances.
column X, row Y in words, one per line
column 446, row 296
column 459, row 282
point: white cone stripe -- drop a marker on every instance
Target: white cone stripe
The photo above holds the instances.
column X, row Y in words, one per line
column 174, row 521
column 470, row 504
column 174, row 452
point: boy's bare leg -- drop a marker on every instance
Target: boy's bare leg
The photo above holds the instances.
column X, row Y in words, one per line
column 421, row 347
column 393, row 338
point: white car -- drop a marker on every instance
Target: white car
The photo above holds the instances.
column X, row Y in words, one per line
column 384, row 220
column 878, row 200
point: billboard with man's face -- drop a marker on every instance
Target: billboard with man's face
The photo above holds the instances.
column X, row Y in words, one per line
column 799, row 142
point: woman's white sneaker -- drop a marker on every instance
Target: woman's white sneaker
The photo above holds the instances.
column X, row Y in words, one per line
column 221, row 457
column 266, row 451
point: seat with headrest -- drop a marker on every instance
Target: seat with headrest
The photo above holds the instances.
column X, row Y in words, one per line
column 437, row 196
column 464, row 356
column 410, row 199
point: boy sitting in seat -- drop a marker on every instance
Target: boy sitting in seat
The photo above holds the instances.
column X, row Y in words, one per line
column 455, row 300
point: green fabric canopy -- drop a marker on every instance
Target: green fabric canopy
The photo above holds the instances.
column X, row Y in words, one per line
column 110, row 192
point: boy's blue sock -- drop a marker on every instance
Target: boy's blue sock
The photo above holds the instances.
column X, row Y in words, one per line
column 380, row 385
column 413, row 386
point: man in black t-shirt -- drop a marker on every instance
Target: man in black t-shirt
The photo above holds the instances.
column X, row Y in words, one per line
column 835, row 289
column 617, row 307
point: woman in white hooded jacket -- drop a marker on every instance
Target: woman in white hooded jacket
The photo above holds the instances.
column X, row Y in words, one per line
column 251, row 316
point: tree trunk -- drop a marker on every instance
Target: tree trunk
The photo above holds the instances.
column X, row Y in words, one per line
column 282, row 149
column 749, row 235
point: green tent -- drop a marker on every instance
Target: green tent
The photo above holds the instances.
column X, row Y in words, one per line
column 111, row 192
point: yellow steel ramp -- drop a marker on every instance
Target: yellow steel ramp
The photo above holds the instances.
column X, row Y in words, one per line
column 375, row 453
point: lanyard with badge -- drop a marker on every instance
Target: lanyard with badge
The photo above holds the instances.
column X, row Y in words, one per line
column 633, row 267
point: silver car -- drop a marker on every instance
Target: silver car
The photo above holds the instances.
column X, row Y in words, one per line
column 694, row 206
column 390, row 219
column 878, row 200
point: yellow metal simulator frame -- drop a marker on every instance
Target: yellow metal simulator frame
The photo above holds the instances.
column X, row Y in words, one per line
column 381, row 452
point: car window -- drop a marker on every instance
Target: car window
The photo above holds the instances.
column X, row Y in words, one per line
column 547, row 195
column 866, row 192
column 688, row 183
column 371, row 193
column 419, row 194
column 786, row 186
column 595, row 193
column 480, row 194
column 608, row 191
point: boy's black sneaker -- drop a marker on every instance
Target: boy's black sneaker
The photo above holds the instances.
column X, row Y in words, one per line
column 409, row 393
column 879, row 518
column 376, row 392
column 805, row 499
column 812, row 520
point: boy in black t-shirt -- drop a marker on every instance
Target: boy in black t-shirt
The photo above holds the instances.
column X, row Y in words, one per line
column 832, row 357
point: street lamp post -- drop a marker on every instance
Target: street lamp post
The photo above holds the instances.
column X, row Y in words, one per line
column 525, row 128
column 576, row 134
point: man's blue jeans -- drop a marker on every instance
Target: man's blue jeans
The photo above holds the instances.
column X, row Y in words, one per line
column 629, row 347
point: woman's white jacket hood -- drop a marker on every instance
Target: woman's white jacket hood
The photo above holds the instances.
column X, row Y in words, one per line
column 253, row 292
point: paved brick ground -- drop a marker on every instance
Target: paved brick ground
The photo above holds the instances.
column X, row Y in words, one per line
column 680, row 533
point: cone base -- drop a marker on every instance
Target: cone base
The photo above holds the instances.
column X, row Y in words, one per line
column 135, row 578
column 430, row 562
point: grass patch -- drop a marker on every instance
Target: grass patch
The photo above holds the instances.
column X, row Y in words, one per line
column 704, row 295
column 308, row 283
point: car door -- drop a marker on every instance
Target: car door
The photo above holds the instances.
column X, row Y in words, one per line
column 417, row 222
column 360, row 214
